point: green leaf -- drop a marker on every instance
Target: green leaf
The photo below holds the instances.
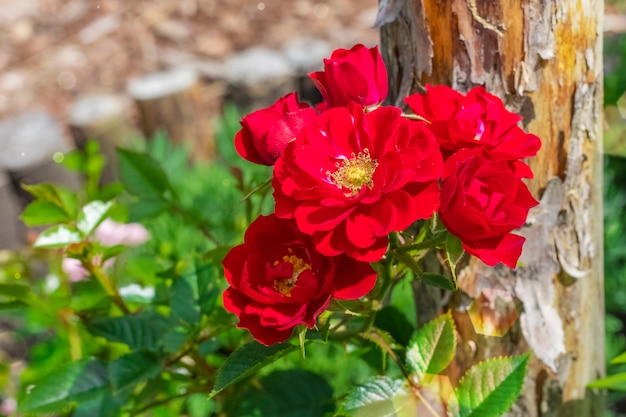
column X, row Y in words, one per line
column 59, row 196
column 246, row 360
column 432, row 347
column 194, row 293
column 208, row 291
column 439, row 281
column 615, row 382
column 89, row 382
column 291, row 393
column 12, row 305
column 391, row 320
column 52, row 393
column 184, row 301
column 109, row 191
column 380, row 397
column 619, row 359
column 89, row 296
column 130, row 370
column 91, row 215
column 74, row 160
column 103, row 404
column 13, row 290
column 489, row 388
column 142, row 331
column 145, row 208
column 403, row 299
column 454, row 249
column 141, row 174
column 454, row 253
column 40, row 212
column 57, row 237
column 198, row 406
column 174, row 339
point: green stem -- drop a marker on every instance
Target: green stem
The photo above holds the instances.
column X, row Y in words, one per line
column 203, row 226
column 407, row 376
column 106, row 283
column 428, row 244
column 157, row 403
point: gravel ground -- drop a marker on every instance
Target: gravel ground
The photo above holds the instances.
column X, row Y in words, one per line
column 52, row 51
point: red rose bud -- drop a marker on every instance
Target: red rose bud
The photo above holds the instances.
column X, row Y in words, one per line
column 482, row 201
column 478, row 119
column 265, row 132
column 358, row 75
column 278, row 280
column 351, row 178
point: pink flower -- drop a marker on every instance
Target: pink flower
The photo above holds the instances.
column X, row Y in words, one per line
column 111, row 233
column 8, row 407
column 74, row 269
column 77, row 272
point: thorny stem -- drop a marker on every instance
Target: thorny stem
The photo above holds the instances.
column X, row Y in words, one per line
column 415, row 387
column 106, row 283
column 203, row 226
column 438, row 239
column 430, row 409
column 160, row 402
column 387, row 280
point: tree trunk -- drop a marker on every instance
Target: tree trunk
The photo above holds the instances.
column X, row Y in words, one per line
column 174, row 101
column 544, row 59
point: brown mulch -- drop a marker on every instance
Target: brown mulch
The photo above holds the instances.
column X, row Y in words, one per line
column 52, row 51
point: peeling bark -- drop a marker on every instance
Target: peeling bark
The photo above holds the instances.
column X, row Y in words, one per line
column 543, row 58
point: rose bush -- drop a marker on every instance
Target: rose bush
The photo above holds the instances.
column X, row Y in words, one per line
column 482, row 201
column 278, row 280
column 354, row 183
column 352, row 177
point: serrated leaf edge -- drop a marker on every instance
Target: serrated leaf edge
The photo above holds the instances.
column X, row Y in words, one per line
column 525, row 357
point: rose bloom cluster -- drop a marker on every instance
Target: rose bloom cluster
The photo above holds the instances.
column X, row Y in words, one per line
column 350, row 171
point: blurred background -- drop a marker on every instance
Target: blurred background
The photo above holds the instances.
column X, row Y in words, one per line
column 119, row 71
column 113, row 69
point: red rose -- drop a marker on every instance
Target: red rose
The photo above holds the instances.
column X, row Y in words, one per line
column 482, row 201
column 265, row 132
column 352, row 177
column 278, row 280
column 478, row 119
column 358, row 75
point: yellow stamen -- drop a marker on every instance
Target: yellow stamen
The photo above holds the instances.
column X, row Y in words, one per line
column 285, row 286
column 354, row 173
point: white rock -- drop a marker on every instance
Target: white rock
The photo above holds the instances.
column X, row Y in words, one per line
column 258, row 65
column 307, row 54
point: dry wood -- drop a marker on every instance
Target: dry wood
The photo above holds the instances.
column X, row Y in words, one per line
column 28, row 144
column 104, row 118
column 544, row 59
column 12, row 234
column 176, row 102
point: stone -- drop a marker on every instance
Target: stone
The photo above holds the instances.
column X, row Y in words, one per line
column 12, row 231
column 258, row 76
column 103, row 118
column 307, row 54
column 100, row 27
column 28, row 143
